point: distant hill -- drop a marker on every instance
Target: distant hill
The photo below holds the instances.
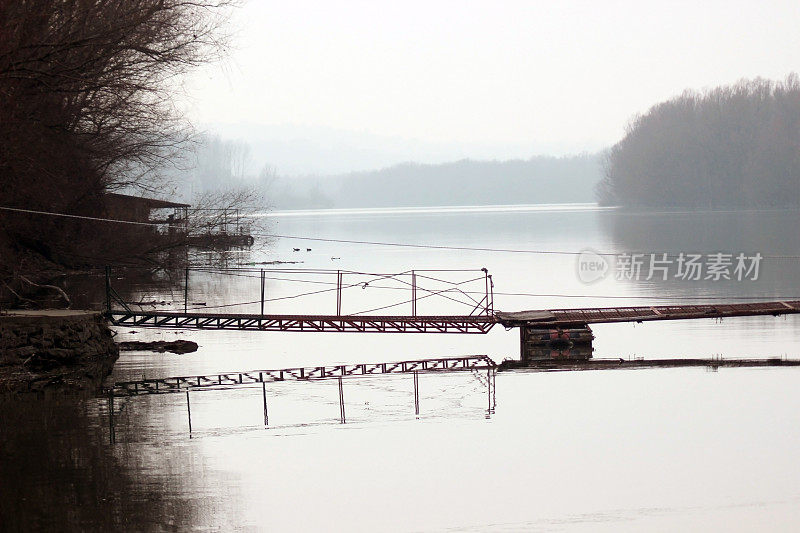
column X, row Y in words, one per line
column 465, row 182
column 297, row 150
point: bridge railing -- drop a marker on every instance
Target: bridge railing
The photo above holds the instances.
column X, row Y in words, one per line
column 325, row 292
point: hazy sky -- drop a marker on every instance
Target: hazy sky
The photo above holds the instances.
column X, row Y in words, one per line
column 561, row 76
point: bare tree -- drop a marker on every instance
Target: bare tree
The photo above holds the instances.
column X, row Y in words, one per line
column 96, row 74
column 86, row 107
column 220, row 164
column 241, row 160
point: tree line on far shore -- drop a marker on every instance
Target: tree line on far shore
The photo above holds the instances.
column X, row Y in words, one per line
column 734, row 146
column 541, row 179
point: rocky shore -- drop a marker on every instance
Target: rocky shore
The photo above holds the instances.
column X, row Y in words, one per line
column 57, row 350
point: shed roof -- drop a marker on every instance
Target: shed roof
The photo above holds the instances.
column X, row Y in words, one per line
column 151, row 203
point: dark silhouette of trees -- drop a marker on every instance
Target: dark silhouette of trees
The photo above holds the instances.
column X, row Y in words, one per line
column 86, row 107
column 734, row 146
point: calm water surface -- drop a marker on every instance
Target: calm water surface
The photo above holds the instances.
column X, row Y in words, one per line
column 612, row 450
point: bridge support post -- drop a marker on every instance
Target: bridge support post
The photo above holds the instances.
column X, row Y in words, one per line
column 186, row 290
column 189, row 412
column 264, row 395
column 491, row 295
column 494, row 389
column 416, row 393
column 341, row 402
column 413, row 294
column 489, row 388
column 538, row 343
column 338, row 293
column 262, row 291
column 487, row 302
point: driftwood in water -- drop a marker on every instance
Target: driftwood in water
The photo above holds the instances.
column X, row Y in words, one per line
column 177, row 346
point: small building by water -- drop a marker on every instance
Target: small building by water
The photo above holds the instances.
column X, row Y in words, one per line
column 148, row 210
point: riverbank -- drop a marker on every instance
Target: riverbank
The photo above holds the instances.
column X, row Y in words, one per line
column 55, row 350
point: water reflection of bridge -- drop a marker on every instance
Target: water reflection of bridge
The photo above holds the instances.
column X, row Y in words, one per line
column 313, row 373
column 476, row 364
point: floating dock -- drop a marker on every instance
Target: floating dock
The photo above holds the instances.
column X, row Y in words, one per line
column 567, row 363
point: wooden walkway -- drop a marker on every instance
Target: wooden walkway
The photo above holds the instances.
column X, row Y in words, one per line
column 567, row 318
column 556, row 364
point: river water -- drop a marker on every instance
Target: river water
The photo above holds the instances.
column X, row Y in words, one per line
column 569, row 451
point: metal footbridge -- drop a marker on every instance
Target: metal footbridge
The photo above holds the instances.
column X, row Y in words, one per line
column 305, row 323
column 551, row 318
column 469, row 290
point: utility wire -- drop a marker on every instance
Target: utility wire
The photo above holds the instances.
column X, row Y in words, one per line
column 82, row 217
column 371, row 243
column 370, row 285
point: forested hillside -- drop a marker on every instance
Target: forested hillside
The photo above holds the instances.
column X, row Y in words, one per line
column 732, row 146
